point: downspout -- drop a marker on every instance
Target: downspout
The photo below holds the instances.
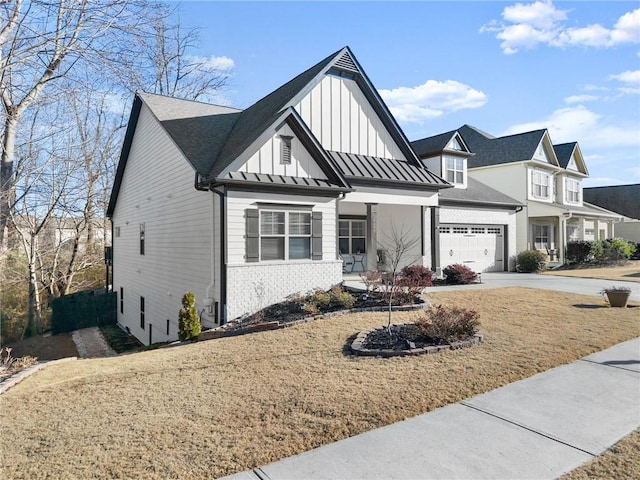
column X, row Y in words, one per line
column 340, row 197
column 223, row 249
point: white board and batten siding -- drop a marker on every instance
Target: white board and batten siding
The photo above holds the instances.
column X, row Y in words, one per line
column 255, row 285
column 267, row 159
column 343, row 120
column 158, row 190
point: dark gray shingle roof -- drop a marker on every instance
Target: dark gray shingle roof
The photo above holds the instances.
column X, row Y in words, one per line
column 477, row 193
column 495, row 151
column 622, row 199
column 434, row 144
column 564, row 152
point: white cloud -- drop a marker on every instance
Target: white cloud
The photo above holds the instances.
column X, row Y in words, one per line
column 527, row 25
column 630, row 76
column 213, row 62
column 580, row 98
column 578, row 123
column 431, row 99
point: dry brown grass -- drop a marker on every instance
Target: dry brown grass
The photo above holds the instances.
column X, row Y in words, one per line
column 622, row 462
column 629, row 272
column 218, row 407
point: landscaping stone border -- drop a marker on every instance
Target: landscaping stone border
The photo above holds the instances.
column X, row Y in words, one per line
column 358, row 349
column 225, row 330
column 13, row 380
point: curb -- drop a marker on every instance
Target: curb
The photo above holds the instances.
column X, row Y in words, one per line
column 18, row 377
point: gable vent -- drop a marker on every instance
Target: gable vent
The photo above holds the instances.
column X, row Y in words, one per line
column 346, row 63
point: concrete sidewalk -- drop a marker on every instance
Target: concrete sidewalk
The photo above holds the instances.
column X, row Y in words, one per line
column 540, row 427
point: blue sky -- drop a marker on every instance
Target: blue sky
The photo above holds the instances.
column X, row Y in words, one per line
column 504, row 67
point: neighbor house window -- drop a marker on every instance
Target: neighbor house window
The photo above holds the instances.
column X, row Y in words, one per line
column 454, row 170
column 573, row 190
column 285, row 150
column 121, row 300
column 142, row 313
column 285, row 235
column 541, row 237
column 352, row 236
column 142, row 239
column 540, row 184
column 117, row 232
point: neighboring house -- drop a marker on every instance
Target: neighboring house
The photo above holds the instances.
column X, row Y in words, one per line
column 477, row 223
column 244, row 208
column 547, row 179
column 622, row 199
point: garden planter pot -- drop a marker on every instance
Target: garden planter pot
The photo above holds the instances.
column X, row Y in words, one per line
column 617, row 298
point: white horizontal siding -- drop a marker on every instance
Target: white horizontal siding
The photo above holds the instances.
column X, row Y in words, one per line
column 342, row 119
column 267, row 158
column 158, row 190
column 238, row 202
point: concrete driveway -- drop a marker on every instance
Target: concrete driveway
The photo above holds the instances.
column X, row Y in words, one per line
column 583, row 286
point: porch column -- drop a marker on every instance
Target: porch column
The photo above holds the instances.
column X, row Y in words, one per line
column 372, row 236
column 562, row 234
column 435, row 241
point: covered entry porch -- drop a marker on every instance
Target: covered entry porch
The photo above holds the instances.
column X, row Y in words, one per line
column 373, row 225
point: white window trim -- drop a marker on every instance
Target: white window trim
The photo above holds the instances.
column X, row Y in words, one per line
column 286, row 235
column 577, row 191
column 351, row 236
column 454, row 170
column 549, row 184
column 549, row 236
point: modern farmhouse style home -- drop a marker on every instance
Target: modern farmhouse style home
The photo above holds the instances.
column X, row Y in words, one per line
column 246, row 207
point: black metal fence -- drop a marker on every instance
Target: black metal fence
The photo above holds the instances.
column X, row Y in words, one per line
column 90, row 308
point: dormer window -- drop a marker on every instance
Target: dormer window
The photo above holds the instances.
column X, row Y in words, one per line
column 454, row 170
column 285, row 150
column 454, row 144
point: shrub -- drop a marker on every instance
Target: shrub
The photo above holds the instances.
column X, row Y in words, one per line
column 636, row 253
column 616, row 249
column 449, row 323
column 188, row 321
column 579, row 252
column 341, row 298
column 457, row 274
column 310, row 308
column 371, row 279
column 320, row 298
column 530, row 261
column 417, row 275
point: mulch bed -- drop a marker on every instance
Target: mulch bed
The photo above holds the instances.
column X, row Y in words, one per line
column 402, row 337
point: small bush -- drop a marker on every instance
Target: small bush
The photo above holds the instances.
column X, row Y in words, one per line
column 417, row 275
column 341, row 298
column 636, row 253
column 449, row 323
column 579, row 252
column 531, row 261
column 311, row 308
column 320, row 298
column 617, row 249
column 457, row 274
column 188, row 321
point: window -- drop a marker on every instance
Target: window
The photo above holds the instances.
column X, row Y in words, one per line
column 142, row 239
column 142, row 313
column 540, row 184
column 285, row 235
column 117, row 232
column 477, row 230
column 352, row 236
column 494, row 230
column 541, row 237
column 572, row 233
column 460, row 229
column 168, row 321
column 572, row 190
column 121, row 300
column 454, row 170
column 285, row 150
column 445, row 230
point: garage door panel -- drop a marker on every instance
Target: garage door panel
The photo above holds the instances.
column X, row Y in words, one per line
column 479, row 247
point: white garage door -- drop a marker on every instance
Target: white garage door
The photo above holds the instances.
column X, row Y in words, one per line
column 479, row 247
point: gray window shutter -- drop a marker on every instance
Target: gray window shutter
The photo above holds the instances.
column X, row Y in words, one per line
column 252, row 217
column 316, row 235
